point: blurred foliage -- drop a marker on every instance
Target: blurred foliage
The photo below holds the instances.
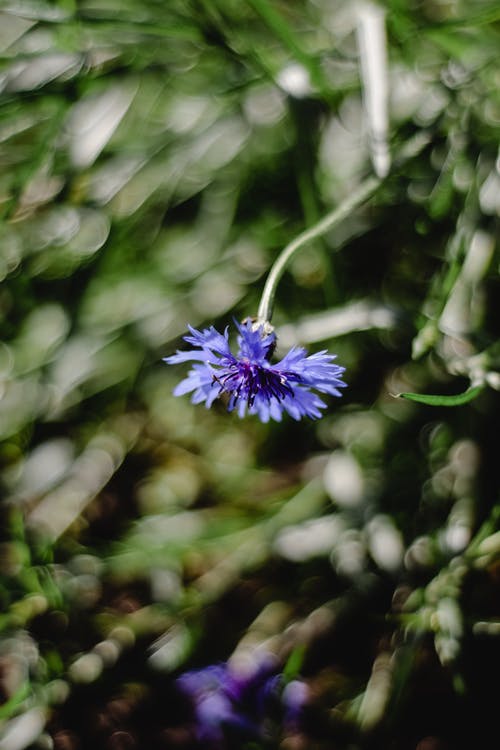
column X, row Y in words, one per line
column 155, row 157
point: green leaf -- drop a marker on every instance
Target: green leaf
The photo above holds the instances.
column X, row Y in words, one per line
column 435, row 400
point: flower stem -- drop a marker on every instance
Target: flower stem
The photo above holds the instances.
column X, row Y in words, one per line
column 367, row 188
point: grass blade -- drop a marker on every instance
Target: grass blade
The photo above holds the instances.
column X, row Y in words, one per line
column 435, row 400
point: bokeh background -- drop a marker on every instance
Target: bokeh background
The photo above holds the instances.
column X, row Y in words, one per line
column 155, row 158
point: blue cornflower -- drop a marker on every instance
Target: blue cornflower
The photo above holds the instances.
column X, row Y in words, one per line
column 228, row 702
column 252, row 382
column 210, row 690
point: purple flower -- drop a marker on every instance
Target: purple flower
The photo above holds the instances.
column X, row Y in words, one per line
column 228, row 701
column 252, row 382
column 210, row 692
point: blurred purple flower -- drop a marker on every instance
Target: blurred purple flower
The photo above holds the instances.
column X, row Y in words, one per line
column 213, row 706
column 251, row 381
column 228, row 702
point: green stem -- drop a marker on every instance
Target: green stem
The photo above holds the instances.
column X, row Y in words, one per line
column 328, row 222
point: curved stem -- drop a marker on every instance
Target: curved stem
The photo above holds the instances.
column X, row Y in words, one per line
column 365, row 190
column 331, row 220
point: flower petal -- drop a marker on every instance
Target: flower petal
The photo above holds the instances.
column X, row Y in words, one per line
column 210, row 340
column 190, row 356
column 252, row 344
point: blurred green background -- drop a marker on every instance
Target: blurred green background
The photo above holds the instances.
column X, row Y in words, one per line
column 155, row 158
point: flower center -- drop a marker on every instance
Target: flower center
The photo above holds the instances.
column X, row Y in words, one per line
column 245, row 380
